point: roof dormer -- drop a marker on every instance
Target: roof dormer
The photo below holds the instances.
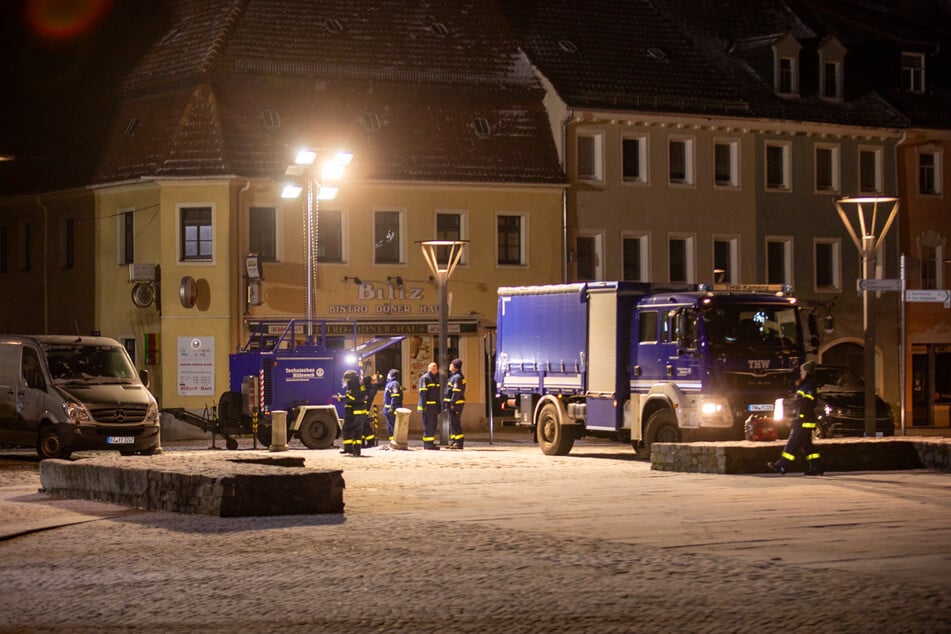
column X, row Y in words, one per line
column 832, row 69
column 786, row 66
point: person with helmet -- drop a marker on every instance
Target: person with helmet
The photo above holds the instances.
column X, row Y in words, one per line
column 392, row 400
column 455, row 401
column 355, row 409
column 803, row 426
column 429, row 405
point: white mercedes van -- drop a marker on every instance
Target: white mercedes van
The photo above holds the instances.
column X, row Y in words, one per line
column 66, row 393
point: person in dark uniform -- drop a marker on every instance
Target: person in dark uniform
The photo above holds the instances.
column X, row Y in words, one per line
column 803, row 426
column 371, row 385
column 392, row 400
column 429, row 405
column 355, row 410
column 455, row 401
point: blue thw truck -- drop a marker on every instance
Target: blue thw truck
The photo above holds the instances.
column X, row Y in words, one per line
column 643, row 362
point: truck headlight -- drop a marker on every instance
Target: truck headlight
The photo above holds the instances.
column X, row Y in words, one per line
column 779, row 410
column 152, row 414
column 716, row 412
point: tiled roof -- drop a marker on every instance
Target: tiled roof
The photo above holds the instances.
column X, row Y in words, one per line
column 620, row 55
column 442, row 41
column 234, row 85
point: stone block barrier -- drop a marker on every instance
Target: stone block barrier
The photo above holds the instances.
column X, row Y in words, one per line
column 838, row 454
column 220, row 487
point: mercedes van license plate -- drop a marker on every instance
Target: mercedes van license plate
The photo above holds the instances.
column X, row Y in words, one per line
column 120, row 440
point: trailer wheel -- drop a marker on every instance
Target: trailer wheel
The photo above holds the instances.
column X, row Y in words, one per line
column 553, row 438
column 49, row 445
column 264, row 434
column 318, row 431
column 229, row 409
column 661, row 427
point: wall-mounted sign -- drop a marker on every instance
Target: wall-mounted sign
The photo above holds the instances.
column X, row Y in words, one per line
column 142, row 272
column 252, row 265
column 188, row 292
column 196, row 366
column 143, row 294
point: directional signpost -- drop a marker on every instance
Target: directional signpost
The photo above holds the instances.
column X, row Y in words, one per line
column 874, row 285
column 929, row 295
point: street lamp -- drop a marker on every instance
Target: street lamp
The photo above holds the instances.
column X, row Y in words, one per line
column 867, row 246
column 301, row 173
column 442, row 271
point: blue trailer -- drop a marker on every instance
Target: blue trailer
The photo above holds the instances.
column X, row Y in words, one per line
column 297, row 367
column 643, row 362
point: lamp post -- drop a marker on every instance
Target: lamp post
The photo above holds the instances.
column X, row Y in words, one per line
column 867, row 245
column 442, row 271
column 301, row 171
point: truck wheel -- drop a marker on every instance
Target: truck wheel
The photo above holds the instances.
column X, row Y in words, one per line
column 661, row 427
column 553, row 438
column 318, row 432
column 49, row 445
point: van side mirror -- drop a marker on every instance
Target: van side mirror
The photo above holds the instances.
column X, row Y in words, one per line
column 145, row 377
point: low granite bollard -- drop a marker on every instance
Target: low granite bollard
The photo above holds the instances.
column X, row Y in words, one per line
column 225, row 488
column 838, row 454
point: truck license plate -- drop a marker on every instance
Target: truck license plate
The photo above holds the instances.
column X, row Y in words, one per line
column 760, row 407
column 120, row 440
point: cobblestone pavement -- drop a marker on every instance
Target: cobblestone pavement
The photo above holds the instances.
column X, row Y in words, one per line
column 494, row 538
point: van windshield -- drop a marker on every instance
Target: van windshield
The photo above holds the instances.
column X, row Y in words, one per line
column 89, row 364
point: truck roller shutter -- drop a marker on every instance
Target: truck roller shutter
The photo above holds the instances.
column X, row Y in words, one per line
column 602, row 342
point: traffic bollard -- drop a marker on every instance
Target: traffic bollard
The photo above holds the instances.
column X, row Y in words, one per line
column 401, row 429
column 278, row 430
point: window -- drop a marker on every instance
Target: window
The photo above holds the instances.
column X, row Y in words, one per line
column 680, row 161
column 931, row 252
column 590, row 166
column 726, row 163
column 4, row 254
column 827, row 268
column 448, row 227
column 870, row 170
column 787, row 80
column 634, row 159
column 387, row 241
column 725, row 260
column 262, row 232
column 510, row 239
column 647, row 326
column 68, row 243
column 827, row 168
column 929, row 171
column 636, row 258
column 196, row 234
column 778, row 167
column 913, row 72
column 830, row 80
column 126, row 237
column 589, row 257
column 330, row 236
column 779, row 260
column 680, row 258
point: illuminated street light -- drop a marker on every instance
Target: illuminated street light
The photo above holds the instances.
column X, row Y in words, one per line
column 442, row 271
column 303, row 174
column 867, row 245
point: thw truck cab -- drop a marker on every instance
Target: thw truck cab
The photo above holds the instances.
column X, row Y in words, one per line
column 643, row 362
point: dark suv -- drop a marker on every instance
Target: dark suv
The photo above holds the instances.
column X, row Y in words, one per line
column 840, row 405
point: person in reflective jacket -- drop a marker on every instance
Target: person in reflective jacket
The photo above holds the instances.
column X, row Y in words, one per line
column 803, row 426
column 355, row 410
column 455, row 401
column 392, row 400
column 429, row 405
